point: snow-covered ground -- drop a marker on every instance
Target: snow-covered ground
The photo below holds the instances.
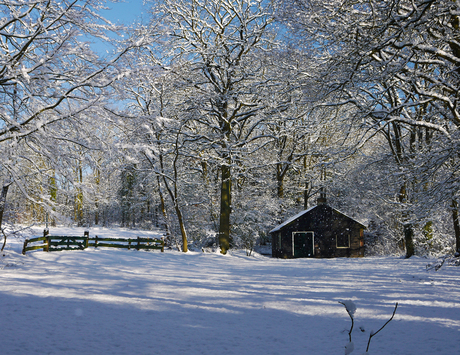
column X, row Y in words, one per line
column 108, row 301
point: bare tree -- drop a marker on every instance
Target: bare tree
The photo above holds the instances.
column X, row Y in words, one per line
column 219, row 41
column 48, row 77
column 396, row 62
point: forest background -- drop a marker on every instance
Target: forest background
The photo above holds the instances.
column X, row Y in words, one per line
column 217, row 119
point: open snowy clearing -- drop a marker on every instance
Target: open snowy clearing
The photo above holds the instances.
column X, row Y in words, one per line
column 109, row 301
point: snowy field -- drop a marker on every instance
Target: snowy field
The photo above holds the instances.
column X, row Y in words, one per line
column 109, row 301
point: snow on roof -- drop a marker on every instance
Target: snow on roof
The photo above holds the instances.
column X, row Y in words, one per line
column 300, row 214
column 292, row 219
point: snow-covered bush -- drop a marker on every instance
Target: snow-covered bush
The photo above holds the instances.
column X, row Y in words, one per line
column 351, row 309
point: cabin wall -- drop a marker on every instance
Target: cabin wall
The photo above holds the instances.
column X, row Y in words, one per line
column 329, row 228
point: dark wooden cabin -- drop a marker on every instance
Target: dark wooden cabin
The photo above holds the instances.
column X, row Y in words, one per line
column 318, row 232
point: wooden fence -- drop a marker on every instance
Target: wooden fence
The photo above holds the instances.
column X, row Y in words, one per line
column 57, row 243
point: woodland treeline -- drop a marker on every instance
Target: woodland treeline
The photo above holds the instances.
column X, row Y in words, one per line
column 218, row 119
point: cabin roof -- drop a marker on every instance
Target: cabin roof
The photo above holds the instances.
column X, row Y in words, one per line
column 300, row 214
column 292, row 219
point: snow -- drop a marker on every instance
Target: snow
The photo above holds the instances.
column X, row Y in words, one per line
column 349, row 348
column 108, row 301
column 350, row 307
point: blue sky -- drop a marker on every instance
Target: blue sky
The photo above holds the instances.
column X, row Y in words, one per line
column 126, row 12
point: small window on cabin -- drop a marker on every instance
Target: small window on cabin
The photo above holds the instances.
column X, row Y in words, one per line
column 279, row 240
column 343, row 240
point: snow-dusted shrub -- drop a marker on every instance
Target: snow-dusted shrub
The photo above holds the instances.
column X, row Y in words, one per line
column 351, row 309
column 444, row 260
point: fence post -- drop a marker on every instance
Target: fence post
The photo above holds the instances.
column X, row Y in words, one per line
column 129, row 243
column 162, row 244
column 86, row 236
column 95, row 242
column 46, row 233
column 25, row 246
column 138, row 243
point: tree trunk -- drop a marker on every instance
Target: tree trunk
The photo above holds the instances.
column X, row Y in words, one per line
column 408, row 228
column 306, row 194
column 456, row 225
column 455, row 22
column 96, row 203
column 174, row 198
column 79, row 197
column 2, row 209
column 307, row 189
column 183, row 232
column 96, row 214
column 225, row 208
column 280, row 180
column 409, row 240
column 163, row 209
column 53, row 196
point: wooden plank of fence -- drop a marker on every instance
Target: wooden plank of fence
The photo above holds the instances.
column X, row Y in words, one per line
column 36, row 247
column 54, row 237
column 36, row 239
column 26, row 248
column 56, row 243
column 109, row 239
column 67, row 244
column 110, row 245
column 142, row 240
column 127, row 246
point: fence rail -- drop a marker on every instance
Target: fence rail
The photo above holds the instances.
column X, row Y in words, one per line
column 58, row 243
